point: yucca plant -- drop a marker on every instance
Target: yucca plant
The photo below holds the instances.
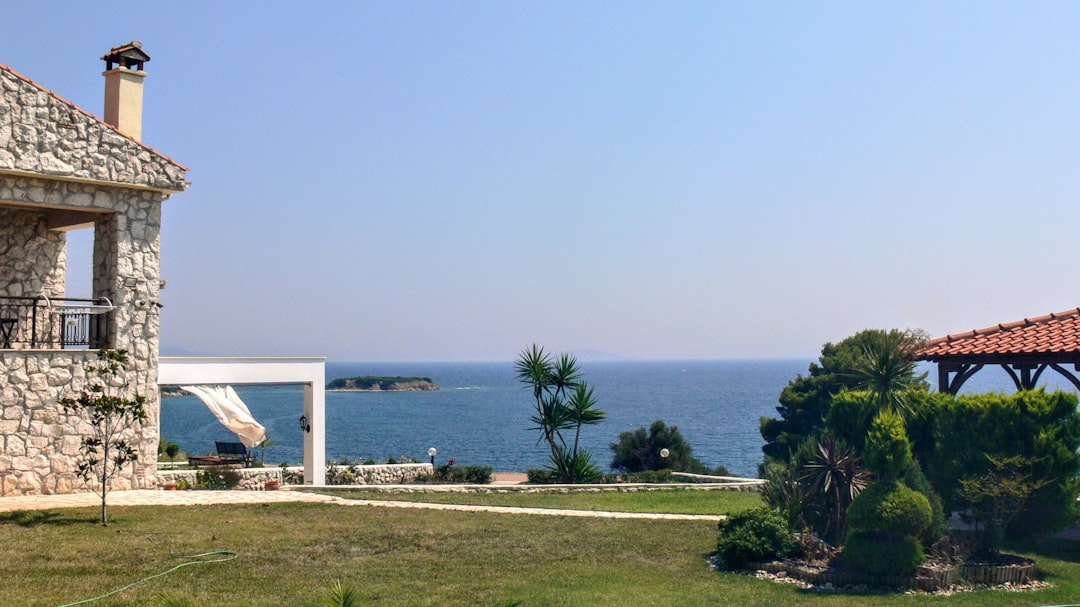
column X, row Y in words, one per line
column 562, row 403
column 341, row 595
column 835, row 477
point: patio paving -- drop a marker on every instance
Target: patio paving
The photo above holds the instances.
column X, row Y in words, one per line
column 148, row 497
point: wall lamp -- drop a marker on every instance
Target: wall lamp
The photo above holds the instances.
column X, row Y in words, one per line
column 304, row 425
column 131, row 282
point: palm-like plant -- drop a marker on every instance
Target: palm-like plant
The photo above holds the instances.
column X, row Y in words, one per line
column 562, row 402
column 886, row 370
column 341, row 595
column 836, row 476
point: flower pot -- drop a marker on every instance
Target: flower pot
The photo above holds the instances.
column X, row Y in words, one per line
column 169, row 486
column 272, row 485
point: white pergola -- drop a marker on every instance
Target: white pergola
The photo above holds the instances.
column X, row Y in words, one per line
column 308, row 371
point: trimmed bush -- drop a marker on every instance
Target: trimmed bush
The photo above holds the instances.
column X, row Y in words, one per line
column 917, row 481
column 887, row 451
column 753, row 536
column 1043, row 427
column 882, row 554
column 891, row 508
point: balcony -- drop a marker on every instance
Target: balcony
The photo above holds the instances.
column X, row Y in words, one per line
column 53, row 323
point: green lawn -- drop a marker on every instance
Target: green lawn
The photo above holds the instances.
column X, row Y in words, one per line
column 291, row 554
column 667, row 501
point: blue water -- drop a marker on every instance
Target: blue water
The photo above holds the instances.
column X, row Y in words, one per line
column 481, row 414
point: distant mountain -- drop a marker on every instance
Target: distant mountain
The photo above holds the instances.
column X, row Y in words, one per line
column 177, row 351
column 597, row 356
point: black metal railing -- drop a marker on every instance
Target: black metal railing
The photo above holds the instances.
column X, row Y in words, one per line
column 49, row 322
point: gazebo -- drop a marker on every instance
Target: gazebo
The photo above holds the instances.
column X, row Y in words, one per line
column 1024, row 349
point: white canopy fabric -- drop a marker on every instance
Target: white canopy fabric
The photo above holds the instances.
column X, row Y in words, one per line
column 231, row 412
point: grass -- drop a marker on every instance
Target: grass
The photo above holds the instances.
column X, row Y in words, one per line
column 293, row 554
column 666, row 501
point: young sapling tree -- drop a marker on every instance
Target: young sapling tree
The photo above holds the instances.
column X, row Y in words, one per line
column 111, row 408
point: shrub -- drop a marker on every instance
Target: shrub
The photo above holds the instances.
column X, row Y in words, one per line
column 168, row 448
column 478, row 475
column 916, row 480
column 1042, row 427
column 887, row 451
column 996, row 498
column 891, row 508
column 344, row 473
column 543, row 476
column 473, row 475
column 753, row 536
column 784, row 493
column 848, row 416
column 638, row 451
column 217, row 479
column 882, row 554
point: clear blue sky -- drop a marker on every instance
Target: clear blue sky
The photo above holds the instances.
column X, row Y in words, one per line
column 455, row 180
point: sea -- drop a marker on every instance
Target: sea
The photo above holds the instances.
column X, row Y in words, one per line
column 480, row 414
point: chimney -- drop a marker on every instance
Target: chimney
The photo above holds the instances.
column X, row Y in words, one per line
column 124, row 88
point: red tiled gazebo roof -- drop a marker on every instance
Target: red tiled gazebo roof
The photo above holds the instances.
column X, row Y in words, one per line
column 1028, row 346
column 1057, row 333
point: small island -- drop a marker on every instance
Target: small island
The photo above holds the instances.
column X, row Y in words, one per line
column 371, row 383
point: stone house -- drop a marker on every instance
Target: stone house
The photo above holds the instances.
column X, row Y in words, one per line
column 62, row 169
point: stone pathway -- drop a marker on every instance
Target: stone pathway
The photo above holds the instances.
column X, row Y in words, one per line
column 202, row 498
column 149, row 497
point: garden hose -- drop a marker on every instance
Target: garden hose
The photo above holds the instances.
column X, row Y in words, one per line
column 225, row 555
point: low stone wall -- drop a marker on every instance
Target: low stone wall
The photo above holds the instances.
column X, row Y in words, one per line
column 386, row 474
column 926, row 579
column 255, row 479
column 251, row 479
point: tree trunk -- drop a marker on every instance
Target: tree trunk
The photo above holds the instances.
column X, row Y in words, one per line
column 104, row 517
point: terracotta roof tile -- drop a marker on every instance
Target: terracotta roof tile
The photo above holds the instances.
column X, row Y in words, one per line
column 1057, row 333
column 84, row 112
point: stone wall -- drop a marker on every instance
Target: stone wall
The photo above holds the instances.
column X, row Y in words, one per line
column 254, row 479
column 44, row 134
column 389, row 474
column 33, row 259
column 40, row 440
column 251, row 479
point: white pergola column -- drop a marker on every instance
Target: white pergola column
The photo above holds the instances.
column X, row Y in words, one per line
column 311, row 372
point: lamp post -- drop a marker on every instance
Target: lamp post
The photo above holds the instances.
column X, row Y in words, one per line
column 664, row 453
column 431, row 453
